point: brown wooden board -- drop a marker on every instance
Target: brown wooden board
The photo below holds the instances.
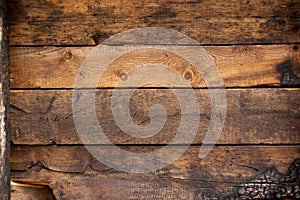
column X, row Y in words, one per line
column 209, row 22
column 4, row 103
column 73, row 173
column 239, row 66
column 254, row 116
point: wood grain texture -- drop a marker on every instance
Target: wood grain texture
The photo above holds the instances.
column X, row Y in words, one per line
column 4, row 104
column 254, row 116
column 239, row 66
column 254, row 43
column 73, row 173
column 21, row 191
column 86, row 22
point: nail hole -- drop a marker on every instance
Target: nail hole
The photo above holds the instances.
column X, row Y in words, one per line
column 295, row 48
column 124, row 77
column 28, row 17
column 52, row 141
column 52, row 116
column 68, row 55
column 188, row 75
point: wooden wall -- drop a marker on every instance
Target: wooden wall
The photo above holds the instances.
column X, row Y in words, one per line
column 255, row 45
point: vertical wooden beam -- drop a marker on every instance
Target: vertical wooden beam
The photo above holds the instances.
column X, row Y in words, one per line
column 4, row 102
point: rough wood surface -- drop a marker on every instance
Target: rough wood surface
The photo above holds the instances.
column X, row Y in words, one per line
column 239, row 66
column 4, row 103
column 254, row 116
column 85, row 22
column 73, row 173
column 254, row 43
column 20, row 191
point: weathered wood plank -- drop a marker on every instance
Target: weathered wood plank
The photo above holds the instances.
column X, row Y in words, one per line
column 254, row 116
column 4, row 103
column 28, row 192
column 239, row 66
column 209, row 22
column 222, row 169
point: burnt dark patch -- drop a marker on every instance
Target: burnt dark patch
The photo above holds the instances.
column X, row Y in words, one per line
column 296, row 28
column 288, row 77
column 295, row 48
column 99, row 37
column 276, row 20
column 190, row 2
column 163, row 13
column 265, row 184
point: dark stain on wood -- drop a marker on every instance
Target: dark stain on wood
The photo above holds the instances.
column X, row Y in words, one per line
column 266, row 184
column 288, row 77
column 100, row 37
column 163, row 13
column 276, row 20
column 296, row 28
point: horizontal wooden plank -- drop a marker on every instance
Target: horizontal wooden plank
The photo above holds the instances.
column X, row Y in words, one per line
column 254, row 116
column 239, row 66
column 209, row 22
column 72, row 172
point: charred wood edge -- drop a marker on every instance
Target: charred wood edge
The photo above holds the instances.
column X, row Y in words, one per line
column 288, row 77
column 4, row 103
column 266, row 184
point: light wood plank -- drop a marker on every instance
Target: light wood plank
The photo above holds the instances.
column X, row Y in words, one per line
column 222, row 169
column 254, row 116
column 209, row 22
column 239, row 66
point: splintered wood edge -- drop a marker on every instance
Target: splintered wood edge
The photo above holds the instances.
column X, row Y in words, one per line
column 4, row 104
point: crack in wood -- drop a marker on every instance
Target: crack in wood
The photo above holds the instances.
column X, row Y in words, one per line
column 11, row 106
